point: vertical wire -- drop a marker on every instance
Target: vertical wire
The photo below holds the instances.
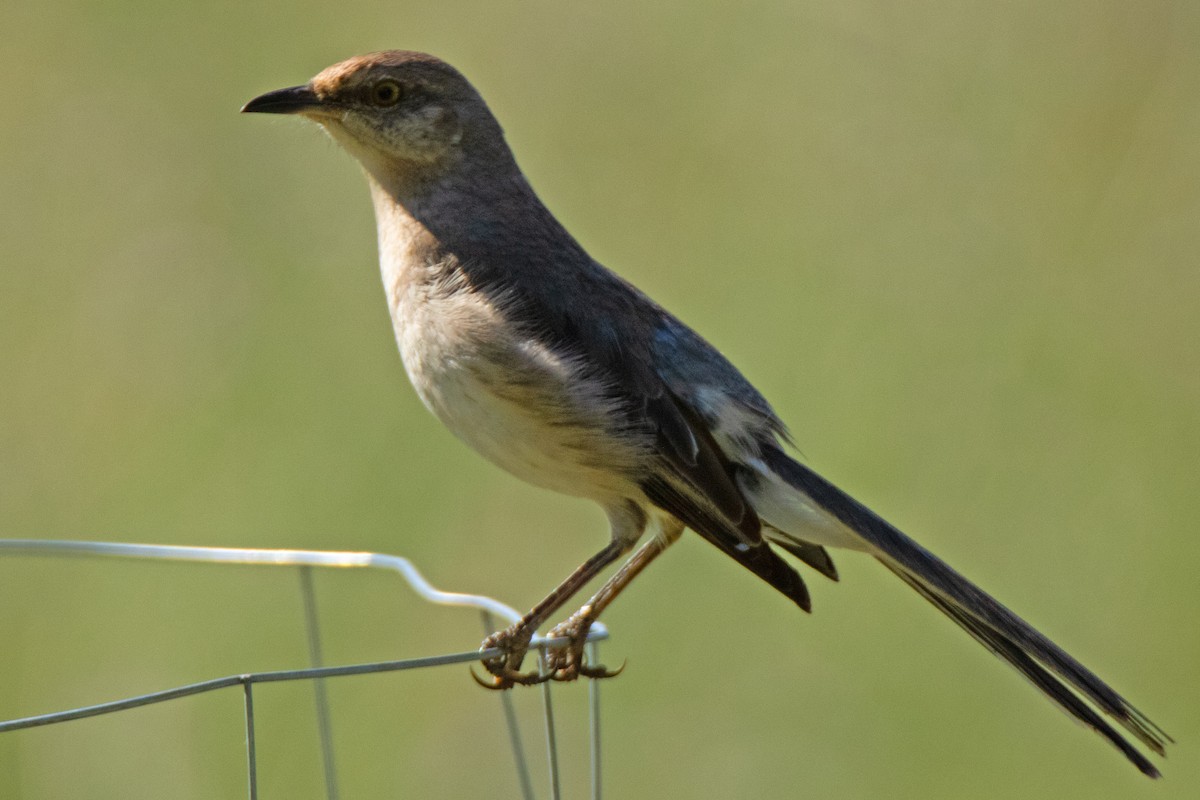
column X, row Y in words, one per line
column 551, row 738
column 319, row 695
column 594, row 720
column 514, row 730
column 251, row 750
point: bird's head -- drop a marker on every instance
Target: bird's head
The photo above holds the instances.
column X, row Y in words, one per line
column 397, row 112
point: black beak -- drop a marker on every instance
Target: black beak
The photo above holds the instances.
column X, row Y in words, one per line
column 283, row 101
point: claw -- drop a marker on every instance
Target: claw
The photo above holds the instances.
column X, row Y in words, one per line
column 601, row 671
column 495, row 684
column 575, row 671
column 513, row 643
column 508, row 679
column 568, row 662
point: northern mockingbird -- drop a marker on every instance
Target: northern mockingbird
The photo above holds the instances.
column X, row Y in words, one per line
column 570, row 378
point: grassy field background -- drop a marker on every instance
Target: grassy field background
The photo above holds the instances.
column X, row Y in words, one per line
column 956, row 244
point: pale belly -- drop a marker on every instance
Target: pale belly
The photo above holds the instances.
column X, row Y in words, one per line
column 521, row 406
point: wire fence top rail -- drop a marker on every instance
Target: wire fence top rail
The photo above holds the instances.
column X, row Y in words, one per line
column 266, row 557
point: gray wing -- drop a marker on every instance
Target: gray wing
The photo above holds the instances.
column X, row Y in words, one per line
column 632, row 343
column 720, row 410
column 704, row 379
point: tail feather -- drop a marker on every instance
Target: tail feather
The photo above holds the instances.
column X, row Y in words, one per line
column 767, row 564
column 680, row 500
column 814, row 555
column 986, row 619
column 1052, row 687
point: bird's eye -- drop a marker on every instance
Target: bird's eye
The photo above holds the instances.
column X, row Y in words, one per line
column 386, row 93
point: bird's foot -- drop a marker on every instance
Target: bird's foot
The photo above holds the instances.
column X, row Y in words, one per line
column 505, row 668
column 564, row 662
column 567, row 662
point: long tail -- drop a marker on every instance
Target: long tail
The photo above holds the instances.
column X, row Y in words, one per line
column 1047, row 666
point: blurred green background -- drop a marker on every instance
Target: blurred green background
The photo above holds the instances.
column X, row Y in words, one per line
column 955, row 243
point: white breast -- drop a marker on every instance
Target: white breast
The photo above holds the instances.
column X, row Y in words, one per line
column 532, row 411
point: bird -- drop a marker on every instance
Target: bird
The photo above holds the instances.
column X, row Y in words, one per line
column 566, row 375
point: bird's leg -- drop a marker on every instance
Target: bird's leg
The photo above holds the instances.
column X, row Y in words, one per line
column 514, row 640
column 566, row 662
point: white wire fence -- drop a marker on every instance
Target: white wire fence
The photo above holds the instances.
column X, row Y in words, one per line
column 494, row 614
